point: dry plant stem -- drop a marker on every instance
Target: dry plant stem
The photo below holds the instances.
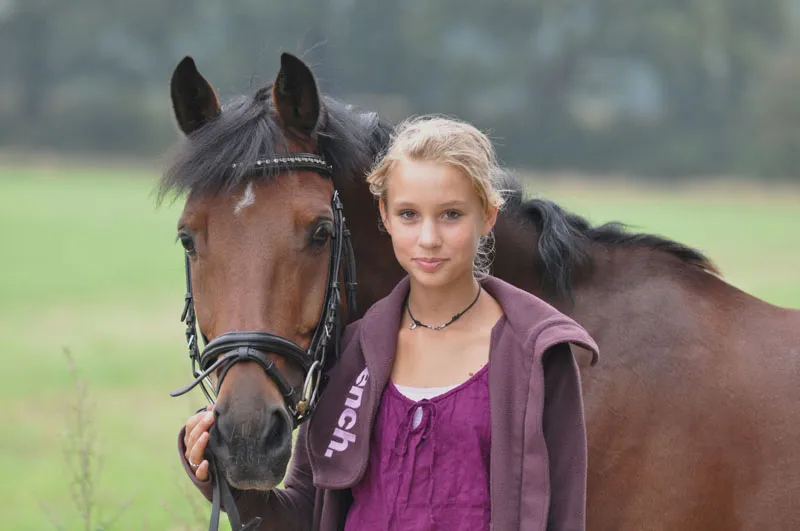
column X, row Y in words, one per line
column 79, row 451
column 82, row 460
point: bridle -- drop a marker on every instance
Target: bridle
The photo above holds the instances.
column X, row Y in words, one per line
column 230, row 348
column 226, row 350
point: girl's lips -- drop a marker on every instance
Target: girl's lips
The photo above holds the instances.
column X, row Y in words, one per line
column 428, row 264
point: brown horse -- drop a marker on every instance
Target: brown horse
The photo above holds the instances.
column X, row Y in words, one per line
column 691, row 412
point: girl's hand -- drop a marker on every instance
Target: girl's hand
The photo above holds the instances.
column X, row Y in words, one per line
column 196, row 439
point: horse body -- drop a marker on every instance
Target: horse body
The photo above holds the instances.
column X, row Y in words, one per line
column 691, row 411
column 689, row 414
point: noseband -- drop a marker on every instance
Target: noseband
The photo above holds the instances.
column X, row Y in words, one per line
column 228, row 349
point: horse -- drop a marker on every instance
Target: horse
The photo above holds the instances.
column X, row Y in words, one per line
column 691, row 412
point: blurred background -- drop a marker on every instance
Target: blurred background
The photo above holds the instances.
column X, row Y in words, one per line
column 653, row 87
column 679, row 117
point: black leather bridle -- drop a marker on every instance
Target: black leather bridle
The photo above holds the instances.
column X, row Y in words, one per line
column 224, row 351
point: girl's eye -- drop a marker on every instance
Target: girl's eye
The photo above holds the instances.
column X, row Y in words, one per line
column 407, row 214
column 187, row 241
column 452, row 214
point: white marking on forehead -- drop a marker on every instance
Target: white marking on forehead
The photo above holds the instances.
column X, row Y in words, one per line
column 248, row 199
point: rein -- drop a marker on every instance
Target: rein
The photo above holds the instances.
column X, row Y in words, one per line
column 226, row 350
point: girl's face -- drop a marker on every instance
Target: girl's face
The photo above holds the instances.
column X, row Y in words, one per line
column 435, row 218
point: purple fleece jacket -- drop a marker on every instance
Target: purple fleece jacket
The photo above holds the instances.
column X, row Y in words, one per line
column 538, row 455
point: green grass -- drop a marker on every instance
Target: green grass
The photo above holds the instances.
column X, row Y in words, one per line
column 89, row 264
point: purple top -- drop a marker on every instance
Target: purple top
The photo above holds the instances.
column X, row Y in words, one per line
column 434, row 475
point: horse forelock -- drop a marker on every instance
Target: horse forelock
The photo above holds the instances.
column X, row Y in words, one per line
column 246, row 130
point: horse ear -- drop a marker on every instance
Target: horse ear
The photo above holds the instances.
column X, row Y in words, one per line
column 295, row 95
column 193, row 98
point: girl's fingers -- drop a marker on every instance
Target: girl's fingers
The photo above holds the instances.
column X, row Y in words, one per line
column 196, row 439
column 202, row 471
column 200, row 426
column 197, row 452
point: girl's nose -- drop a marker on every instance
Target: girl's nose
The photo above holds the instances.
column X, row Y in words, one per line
column 429, row 234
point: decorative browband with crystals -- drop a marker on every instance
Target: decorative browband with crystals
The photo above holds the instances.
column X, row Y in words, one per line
column 296, row 161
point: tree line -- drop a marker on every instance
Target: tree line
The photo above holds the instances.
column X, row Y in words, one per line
column 653, row 87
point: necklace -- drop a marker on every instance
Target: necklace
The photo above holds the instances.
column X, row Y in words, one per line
column 415, row 323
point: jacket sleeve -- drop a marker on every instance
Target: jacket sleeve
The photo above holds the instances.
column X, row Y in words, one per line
column 288, row 509
column 565, row 436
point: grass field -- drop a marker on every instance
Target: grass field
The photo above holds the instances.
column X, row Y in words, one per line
column 89, row 264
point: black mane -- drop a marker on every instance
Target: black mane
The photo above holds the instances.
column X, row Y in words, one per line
column 245, row 131
column 566, row 240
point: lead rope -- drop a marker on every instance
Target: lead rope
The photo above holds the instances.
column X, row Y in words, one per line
column 221, row 496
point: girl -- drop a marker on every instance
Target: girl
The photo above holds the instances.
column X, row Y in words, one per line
column 457, row 402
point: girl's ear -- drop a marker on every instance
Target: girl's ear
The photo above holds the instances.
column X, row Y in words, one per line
column 491, row 219
column 384, row 217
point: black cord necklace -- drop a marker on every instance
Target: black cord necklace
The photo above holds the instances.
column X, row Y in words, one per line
column 415, row 323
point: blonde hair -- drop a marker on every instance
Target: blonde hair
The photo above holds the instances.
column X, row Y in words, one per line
column 444, row 140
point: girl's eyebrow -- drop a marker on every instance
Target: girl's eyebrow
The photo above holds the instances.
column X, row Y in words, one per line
column 454, row 202
column 446, row 204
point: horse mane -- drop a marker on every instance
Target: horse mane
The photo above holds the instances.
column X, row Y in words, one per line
column 246, row 131
column 566, row 241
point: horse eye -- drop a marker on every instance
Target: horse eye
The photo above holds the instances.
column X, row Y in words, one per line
column 321, row 235
column 187, row 241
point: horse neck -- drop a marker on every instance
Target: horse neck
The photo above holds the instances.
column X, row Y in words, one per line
column 377, row 270
column 515, row 257
column 592, row 283
column 617, row 281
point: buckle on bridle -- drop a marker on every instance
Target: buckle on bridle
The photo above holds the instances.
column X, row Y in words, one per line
column 310, row 388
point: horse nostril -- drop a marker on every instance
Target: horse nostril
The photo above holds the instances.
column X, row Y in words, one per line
column 277, row 430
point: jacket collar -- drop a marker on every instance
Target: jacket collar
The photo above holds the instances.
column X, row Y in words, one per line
column 381, row 323
column 379, row 327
